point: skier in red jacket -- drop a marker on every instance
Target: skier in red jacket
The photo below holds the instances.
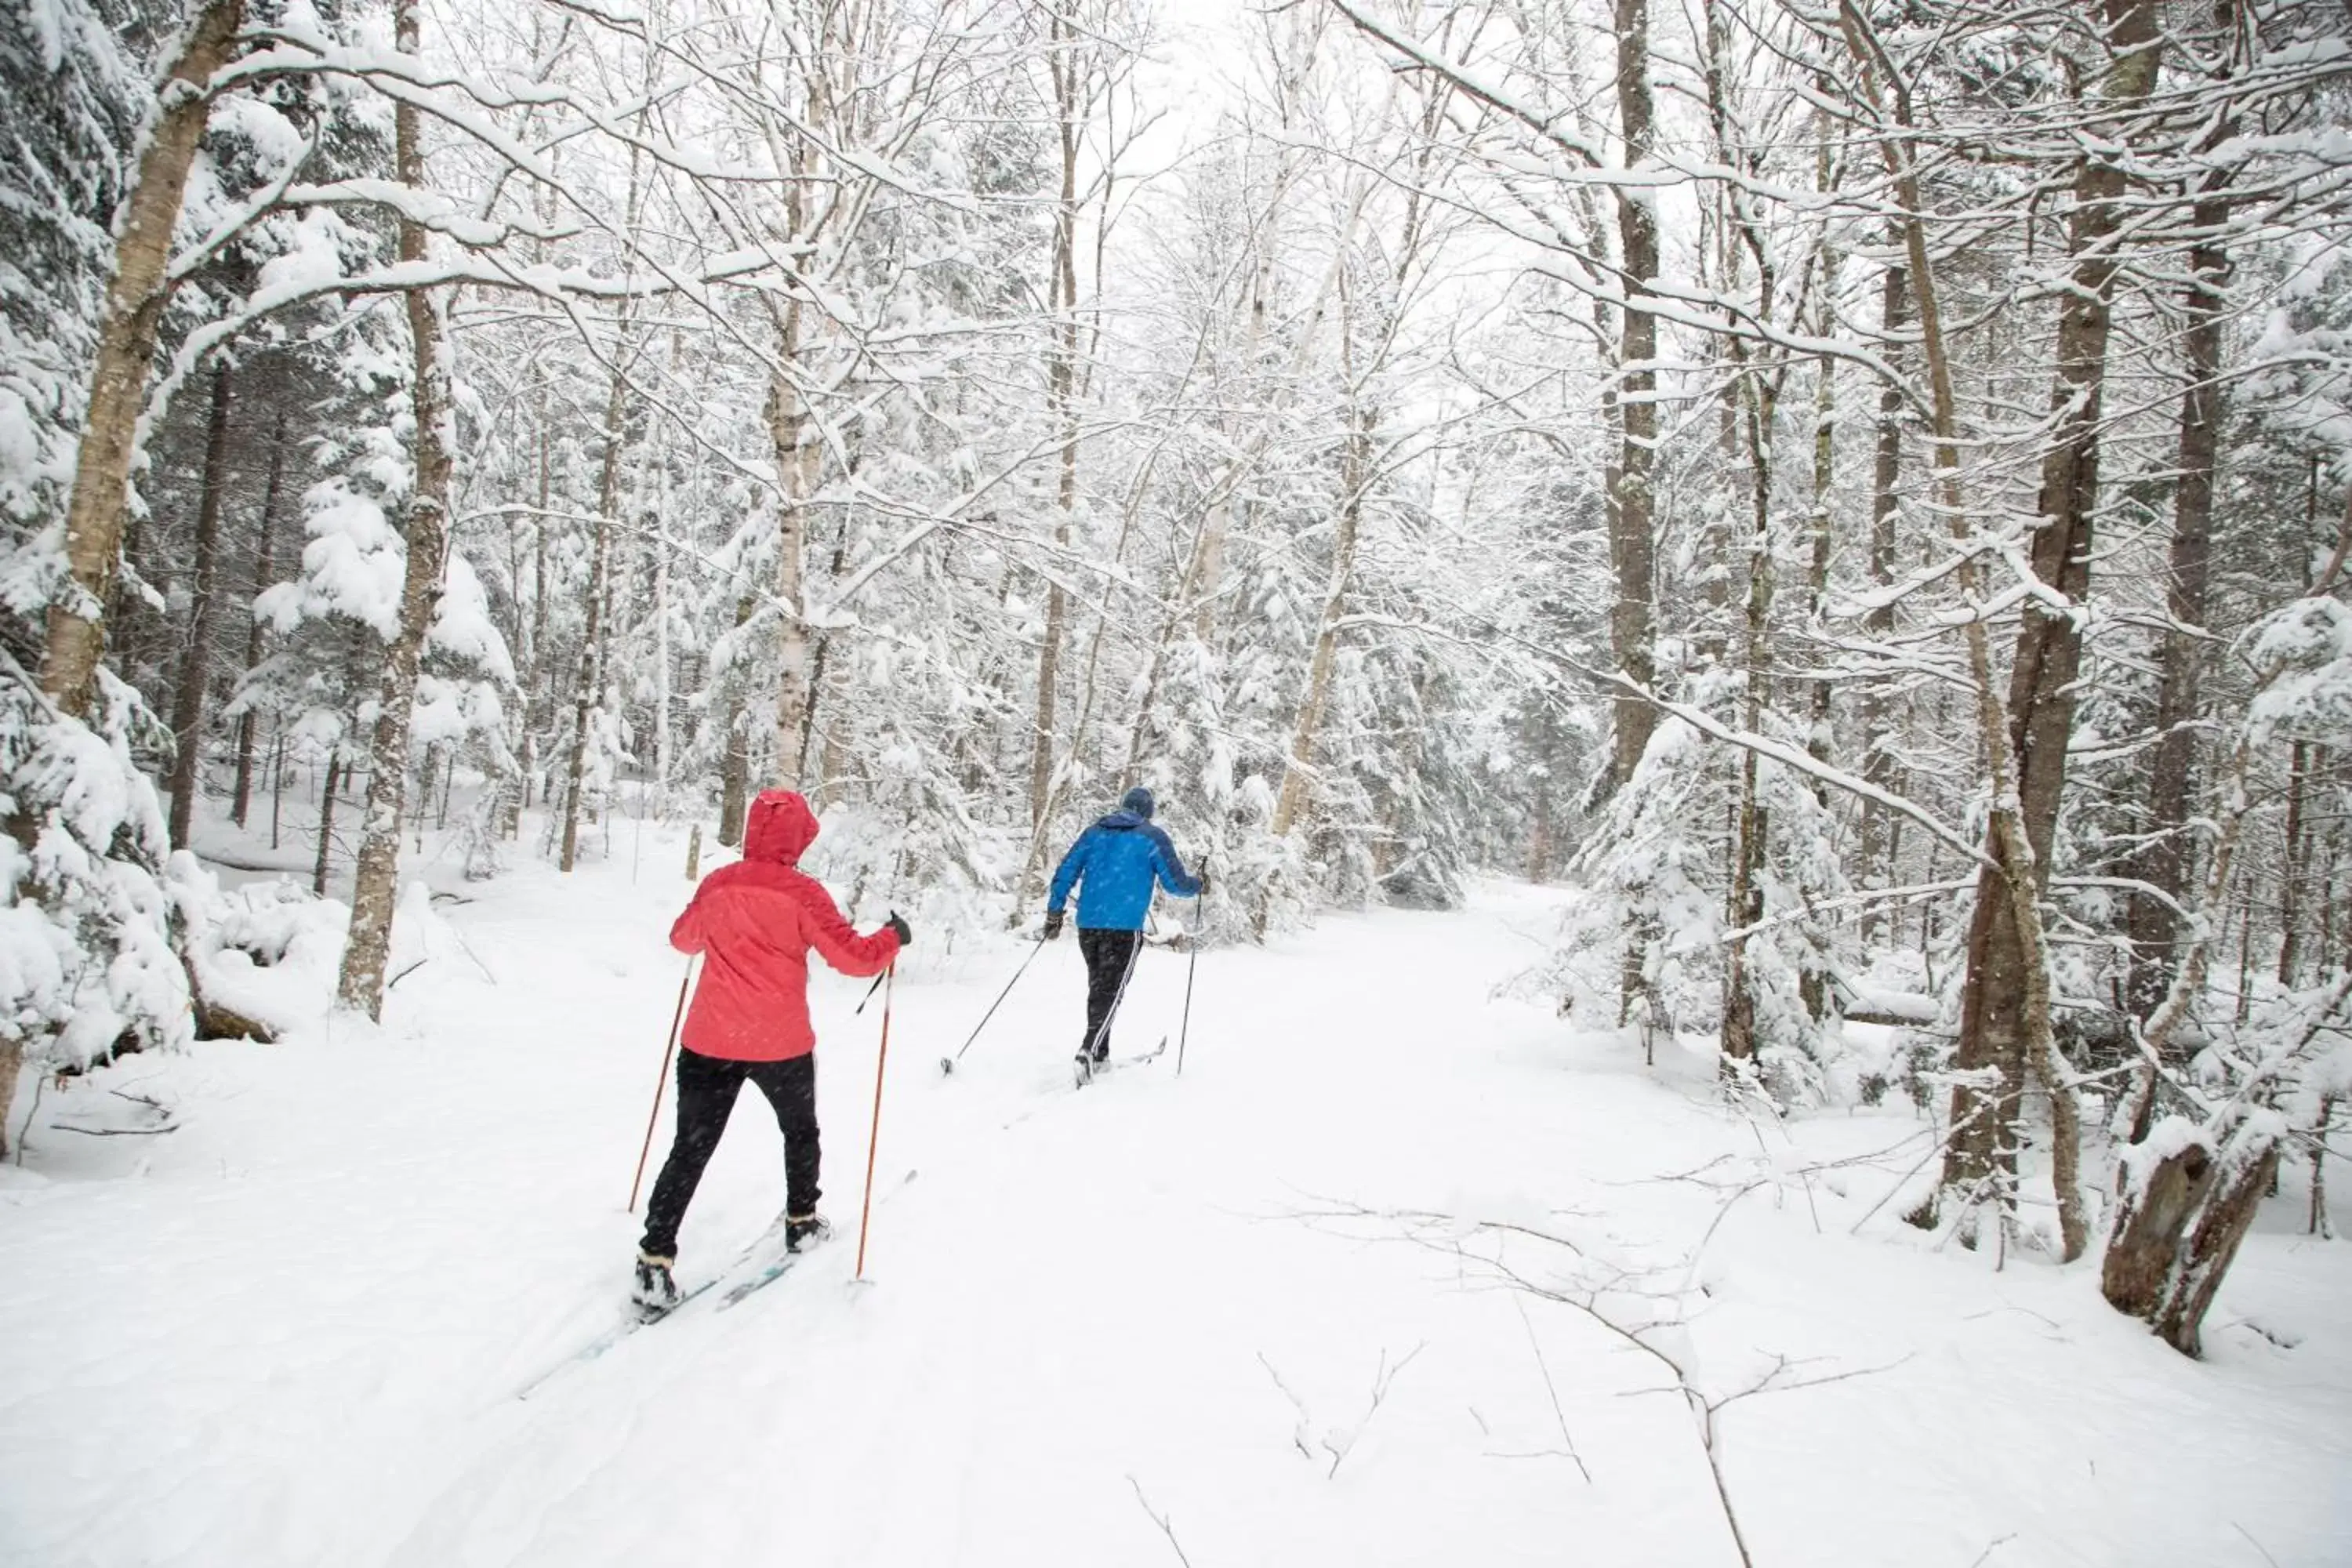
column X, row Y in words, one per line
column 754, row 923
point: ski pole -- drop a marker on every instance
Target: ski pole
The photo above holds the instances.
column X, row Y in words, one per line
column 654, row 1115
column 869, row 994
column 1192, row 965
column 874, row 1134
column 947, row 1064
column 1184, row 1031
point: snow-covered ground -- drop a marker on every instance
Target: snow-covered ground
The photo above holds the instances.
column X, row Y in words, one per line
column 1257, row 1314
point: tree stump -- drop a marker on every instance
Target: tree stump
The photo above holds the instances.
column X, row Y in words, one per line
column 2182, row 1215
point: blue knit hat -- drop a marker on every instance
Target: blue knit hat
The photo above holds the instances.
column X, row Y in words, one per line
column 1138, row 801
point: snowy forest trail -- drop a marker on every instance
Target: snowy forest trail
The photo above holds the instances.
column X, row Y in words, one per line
column 1263, row 1302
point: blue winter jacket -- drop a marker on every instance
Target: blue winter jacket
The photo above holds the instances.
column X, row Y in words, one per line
column 1114, row 865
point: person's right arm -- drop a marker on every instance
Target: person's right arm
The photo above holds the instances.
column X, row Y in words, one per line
column 688, row 935
column 1066, row 875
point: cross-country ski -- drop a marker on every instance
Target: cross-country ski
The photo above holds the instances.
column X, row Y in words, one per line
column 762, row 1261
column 1087, row 1069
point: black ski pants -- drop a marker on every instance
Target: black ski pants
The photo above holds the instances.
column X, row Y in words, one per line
column 707, row 1090
column 1110, row 962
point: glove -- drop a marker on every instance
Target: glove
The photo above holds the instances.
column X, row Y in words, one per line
column 895, row 923
column 1053, row 924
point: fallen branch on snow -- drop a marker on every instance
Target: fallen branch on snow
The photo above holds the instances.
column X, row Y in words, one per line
column 1340, row 1441
column 1160, row 1520
column 1445, row 1233
column 114, row 1132
column 1550, row 1389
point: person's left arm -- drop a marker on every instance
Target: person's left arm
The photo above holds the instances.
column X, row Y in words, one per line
column 830, row 934
column 1168, row 866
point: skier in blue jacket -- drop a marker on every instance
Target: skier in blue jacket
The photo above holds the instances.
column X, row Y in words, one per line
column 1116, row 865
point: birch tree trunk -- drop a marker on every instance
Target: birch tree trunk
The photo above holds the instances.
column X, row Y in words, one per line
column 1061, row 378
column 1817, row 574
column 1885, row 512
column 1813, row 982
column 196, row 659
column 793, row 435
column 2318, row 1213
column 662, row 744
column 319, row 864
column 376, row 879
column 588, row 680
column 2298, row 866
column 793, row 438
column 1759, row 405
column 534, row 660
column 255, row 641
column 735, row 765
column 1632, row 547
column 76, row 633
column 1755, row 402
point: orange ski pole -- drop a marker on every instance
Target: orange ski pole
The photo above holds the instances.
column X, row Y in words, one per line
column 653, row 1116
column 874, row 1134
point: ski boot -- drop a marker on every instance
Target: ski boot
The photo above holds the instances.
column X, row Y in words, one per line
column 804, row 1231
column 655, row 1291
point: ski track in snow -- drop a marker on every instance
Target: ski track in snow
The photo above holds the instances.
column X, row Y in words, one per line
column 290, row 1332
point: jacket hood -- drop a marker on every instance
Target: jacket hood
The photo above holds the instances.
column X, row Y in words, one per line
column 1124, row 822
column 780, row 828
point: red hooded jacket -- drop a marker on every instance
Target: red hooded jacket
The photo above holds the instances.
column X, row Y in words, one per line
column 754, row 922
